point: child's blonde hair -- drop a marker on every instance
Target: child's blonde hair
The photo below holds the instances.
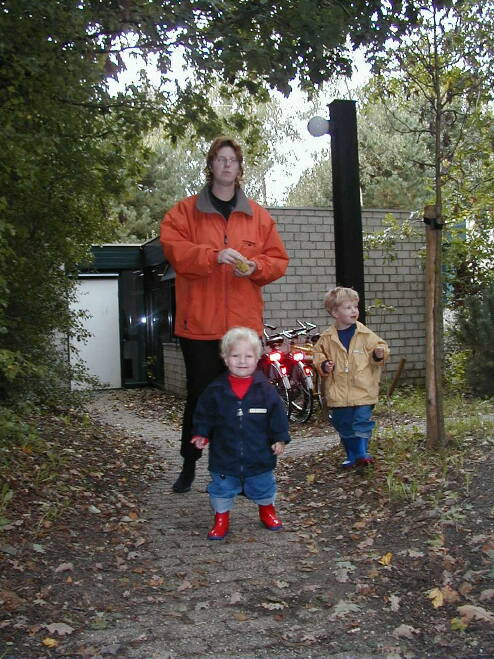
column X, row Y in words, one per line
column 240, row 334
column 337, row 296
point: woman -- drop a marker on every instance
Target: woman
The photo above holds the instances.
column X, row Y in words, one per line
column 224, row 248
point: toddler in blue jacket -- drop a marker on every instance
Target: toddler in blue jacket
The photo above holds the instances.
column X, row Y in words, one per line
column 242, row 418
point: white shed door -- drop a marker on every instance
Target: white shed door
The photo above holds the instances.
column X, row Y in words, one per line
column 101, row 352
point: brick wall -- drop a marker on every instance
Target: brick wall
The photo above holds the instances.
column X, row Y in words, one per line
column 309, row 238
column 308, row 234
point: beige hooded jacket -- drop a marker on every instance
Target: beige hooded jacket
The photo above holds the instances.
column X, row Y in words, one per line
column 356, row 375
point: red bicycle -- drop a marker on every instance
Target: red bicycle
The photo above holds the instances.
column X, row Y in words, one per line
column 272, row 364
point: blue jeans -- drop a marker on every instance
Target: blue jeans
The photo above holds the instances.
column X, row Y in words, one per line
column 354, row 426
column 223, row 489
column 353, row 421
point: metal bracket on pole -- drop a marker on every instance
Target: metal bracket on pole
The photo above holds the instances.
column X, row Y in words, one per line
column 430, row 217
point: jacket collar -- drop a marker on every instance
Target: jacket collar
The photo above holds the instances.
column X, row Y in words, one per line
column 203, row 202
column 360, row 328
column 222, row 380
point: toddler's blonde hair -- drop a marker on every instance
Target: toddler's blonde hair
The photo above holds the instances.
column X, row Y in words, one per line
column 237, row 334
column 337, row 296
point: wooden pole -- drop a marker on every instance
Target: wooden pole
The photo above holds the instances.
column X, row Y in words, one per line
column 396, row 376
column 433, row 330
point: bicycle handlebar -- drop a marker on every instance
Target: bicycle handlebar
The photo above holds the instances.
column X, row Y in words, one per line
column 305, row 328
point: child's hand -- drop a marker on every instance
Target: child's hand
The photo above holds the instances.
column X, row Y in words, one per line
column 327, row 366
column 278, row 448
column 379, row 352
column 199, row 442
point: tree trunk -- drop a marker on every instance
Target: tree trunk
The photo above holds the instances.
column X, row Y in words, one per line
column 436, row 437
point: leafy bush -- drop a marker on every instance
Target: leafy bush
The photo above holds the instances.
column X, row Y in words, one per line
column 474, row 331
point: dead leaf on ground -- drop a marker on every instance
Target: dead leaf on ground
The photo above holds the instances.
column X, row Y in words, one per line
column 59, row 628
column 450, row 595
column 405, row 631
column 386, row 559
column 394, row 602
column 471, row 612
column 486, row 595
column 184, row 586
column 436, row 596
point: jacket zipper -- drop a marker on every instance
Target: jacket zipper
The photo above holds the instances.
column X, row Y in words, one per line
column 240, row 414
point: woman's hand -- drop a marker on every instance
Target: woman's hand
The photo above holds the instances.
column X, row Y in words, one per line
column 229, row 256
column 242, row 266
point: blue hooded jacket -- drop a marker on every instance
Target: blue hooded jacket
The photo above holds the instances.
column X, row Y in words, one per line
column 241, row 432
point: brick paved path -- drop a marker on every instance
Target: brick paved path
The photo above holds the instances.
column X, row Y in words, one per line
column 249, row 596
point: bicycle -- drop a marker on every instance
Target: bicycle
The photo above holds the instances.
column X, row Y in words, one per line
column 302, row 408
column 271, row 365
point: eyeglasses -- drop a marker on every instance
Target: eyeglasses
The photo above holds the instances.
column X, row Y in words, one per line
column 225, row 161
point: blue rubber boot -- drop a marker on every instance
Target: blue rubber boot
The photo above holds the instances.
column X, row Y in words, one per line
column 350, row 459
column 363, row 457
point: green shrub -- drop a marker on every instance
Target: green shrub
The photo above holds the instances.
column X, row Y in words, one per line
column 474, row 331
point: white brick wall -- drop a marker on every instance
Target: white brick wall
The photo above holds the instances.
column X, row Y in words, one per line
column 309, row 239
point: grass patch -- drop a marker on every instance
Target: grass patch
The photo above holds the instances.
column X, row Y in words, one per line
column 412, row 469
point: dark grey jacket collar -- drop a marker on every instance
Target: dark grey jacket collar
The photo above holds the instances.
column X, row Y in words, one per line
column 203, row 202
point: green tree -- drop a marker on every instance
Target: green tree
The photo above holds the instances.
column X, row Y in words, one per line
column 69, row 147
column 391, row 161
column 445, row 71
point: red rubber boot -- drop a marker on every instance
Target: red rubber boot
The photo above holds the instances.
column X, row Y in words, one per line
column 267, row 515
column 221, row 526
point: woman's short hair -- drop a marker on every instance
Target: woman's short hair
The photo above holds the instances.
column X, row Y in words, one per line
column 337, row 296
column 237, row 334
column 218, row 144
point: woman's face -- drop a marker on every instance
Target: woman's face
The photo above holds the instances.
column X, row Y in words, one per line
column 225, row 166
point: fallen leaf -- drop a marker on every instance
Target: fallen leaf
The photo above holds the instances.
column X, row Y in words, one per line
column 274, row 606
column 386, row 559
column 486, row 595
column 184, row 586
column 64, row 567
column 341, row 576
column 343, row 607
column 240, row 616
column 470, row 612
column 405, row 631
column 394, row 602
column 450, row 595
column 281, row 584
column 59, row 628
column 50, row 642
column 436, row 597
column 458, row 624
column 465, row 588
column 310, row 478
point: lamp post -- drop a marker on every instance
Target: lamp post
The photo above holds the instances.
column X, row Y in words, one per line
column 348, row 243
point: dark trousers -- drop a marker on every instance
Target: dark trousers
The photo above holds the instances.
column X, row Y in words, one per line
column 202, row 365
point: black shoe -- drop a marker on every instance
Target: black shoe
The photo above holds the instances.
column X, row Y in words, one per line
column 185, row 479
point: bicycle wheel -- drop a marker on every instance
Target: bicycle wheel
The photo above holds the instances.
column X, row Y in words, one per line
column 281, row 384
column 301, row 402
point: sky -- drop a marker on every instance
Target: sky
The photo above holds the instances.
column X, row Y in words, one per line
column 300, row 154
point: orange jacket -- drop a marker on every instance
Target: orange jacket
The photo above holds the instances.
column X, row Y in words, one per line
column 210, row 298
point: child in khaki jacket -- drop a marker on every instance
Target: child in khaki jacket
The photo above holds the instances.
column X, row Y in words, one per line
column 350, row 358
